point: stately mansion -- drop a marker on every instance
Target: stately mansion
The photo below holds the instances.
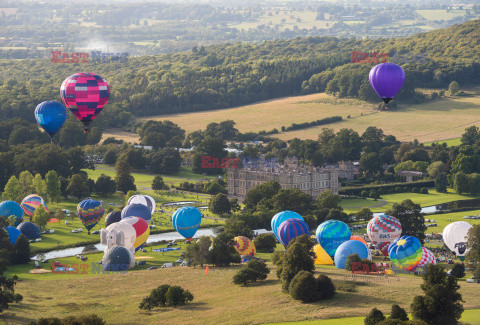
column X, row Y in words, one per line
column 309, row 179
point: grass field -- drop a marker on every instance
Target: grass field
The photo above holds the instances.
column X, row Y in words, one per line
column 434, row 121
column 115, row 297
column 449, row 142
column 440, row 14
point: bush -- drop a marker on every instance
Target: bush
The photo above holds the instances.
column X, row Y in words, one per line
column 398, row 313
column 458, row 271
column 166, row 294
column 303, row 287
column 265, row 242
column 176, row 295
column 351, row 259
column 424, row 190
column 277, row 257
column 374, row 317
column 325, row 287
column 71, row 320
column 415, row 190
column 297, row 258
column 252, row 272
column 364, row 193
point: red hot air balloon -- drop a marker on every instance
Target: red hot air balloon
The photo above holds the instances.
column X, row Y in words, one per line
column 386, row 79
column 85, row 94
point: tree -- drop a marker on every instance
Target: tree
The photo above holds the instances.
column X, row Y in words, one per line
column 39, row 185
column 458, row 270
column 303, row 287
column 71, row 320
column 374, row 317
column 352, row 258
column 77, row 187
column 441, row 303
column 21, row 250
column 124, row 180
column 265, row 242
column 473, row 249
column 292, row 199
column 370, row 163
column 236, row 227
column 328, row 200
column 105, row 185
column 52, row 181
column 156, row 298
column 59, row 214
column 453, row 88
column 197, row 252
column 222, row 252
column 441, row 183
column 374, row 194
column 435, row 169
column 158, row 184
column 41, row 217
column 253, row 271
column 460, row 183
column 365, row 214
column 165, row 161
column 175, row 296
column 219, row 204
column 12, row 190
column 26, row 183
column 410, row 217
column 325, row 287
column 297, row 258
column 398, row 313
column 234, row 206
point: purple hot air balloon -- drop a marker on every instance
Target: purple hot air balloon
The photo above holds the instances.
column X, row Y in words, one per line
column 290, row 229
column 386, row 79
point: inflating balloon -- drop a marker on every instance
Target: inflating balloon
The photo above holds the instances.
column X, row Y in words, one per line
column 386, row 79
column 11, row 208
column 349, row 248
column 427, row 258
column 244, row 246
column 137, row 210
column 119, row 234
column 90, row 212
column 143, row 199
column 455, row 236
column 291, row 229
column 50, row 116
column 186, row 221
column 85, row 94
column 29, row 230
column 13, row 234
column 360, row 239
column 321, row 257
column 117, row 258
column 31, row 202
column 142, row 230
column 406, row 252
column 331, row 234
column 383, row 230
column 112, row 217
column 281, row 217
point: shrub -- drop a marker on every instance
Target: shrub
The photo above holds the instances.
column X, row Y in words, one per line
column 176, row 295
column 424, row 190
column 71, row 320
column 303, row 287
column 364, row 193
column 415, row 190
column 458, row 271
column 398, row 313
column 166, row 294
column 297, row 258
column 277, row 257
column 265, row 242
column 252, row 272
column 325, row 287
column 351, row 259
column 374, row 317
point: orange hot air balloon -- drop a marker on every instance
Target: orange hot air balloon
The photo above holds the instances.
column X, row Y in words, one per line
column 359, row 239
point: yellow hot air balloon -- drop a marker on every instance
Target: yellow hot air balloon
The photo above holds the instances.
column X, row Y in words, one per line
column 322, row 258
column 244, row 246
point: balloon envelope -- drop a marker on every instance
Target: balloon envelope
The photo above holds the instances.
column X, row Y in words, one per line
column 331, row 234
column 142, row 230
column 11, row 208
column 117, row 259
column 360, row 239
column 50, row 115
column 427, row 258
column 244, row 246
column 386, row 79
column 186, row 221
column 85, row 94
column 13, row 234
column 291, row 229
column 455, row 236
column 348, row 248
column 112, row 217
column 383, row 230
column 281, row 217
column 137, row 210
column 321, row 257
column 31, row 202
column 90, row 212
column 29, row 230
column 143, row 199
column 406, row 252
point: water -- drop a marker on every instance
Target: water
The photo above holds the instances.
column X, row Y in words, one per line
column 426, row 210
column 168, row 236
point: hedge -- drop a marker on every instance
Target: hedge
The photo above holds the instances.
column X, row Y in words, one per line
column 386, row 188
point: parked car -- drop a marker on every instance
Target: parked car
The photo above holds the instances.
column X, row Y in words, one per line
column 152, row 268
column 167, row 265
column 142, row 262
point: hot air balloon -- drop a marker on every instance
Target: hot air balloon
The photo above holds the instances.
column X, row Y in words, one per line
column 360, row 239
column 331, row 234
column 29, row 230
column 406, row 252
column 90, row 212
column 455, row 236
column 427, row 258
column 112, row 217
column 348, row 248
column 13, row 234
column 321, row 257
column 291, row 229
column 142, row 230
column 143, row 199
column 31, row 202
column 137, row 210
column 281, row 217
column 383, row 230
column 117, row 258
column 244, row 246
column 12, row 208
column 386, row 79
column 186, row 221
column 50, row 115
column 85, row 94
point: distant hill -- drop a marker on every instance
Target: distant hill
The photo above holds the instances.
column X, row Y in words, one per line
column 229, row 75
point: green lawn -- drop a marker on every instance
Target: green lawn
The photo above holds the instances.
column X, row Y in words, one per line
column 442, row 220
column 449, row 142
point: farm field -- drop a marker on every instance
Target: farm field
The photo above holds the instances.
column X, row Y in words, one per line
column 115, row 297
column 447, row 118
column 440, row 14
